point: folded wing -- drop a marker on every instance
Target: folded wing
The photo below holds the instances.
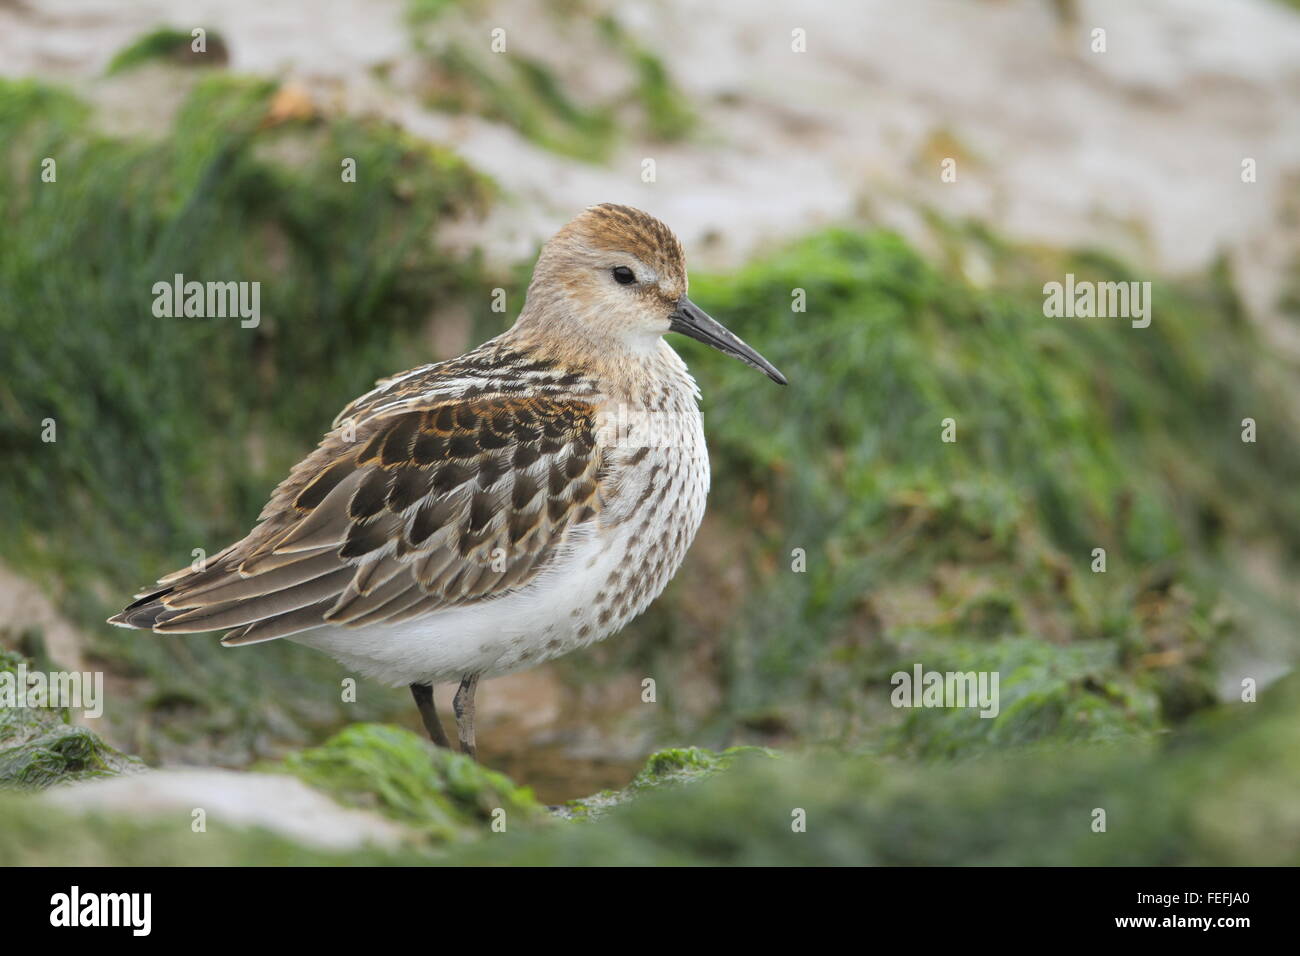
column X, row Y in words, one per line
column 457, row 502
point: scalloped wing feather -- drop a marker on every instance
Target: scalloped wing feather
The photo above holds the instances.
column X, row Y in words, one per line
column 457, row 502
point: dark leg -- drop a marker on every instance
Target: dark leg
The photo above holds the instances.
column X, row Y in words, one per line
column 423, row 694
column 463, row 704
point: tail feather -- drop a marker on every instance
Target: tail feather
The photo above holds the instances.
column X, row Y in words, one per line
column 143, row 612
column 291, row 597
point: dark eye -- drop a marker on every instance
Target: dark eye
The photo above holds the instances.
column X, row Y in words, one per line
column 623, row 275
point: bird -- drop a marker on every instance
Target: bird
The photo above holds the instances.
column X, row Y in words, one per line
column 477, row 516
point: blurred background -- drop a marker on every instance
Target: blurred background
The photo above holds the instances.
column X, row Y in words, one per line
column 792, row 147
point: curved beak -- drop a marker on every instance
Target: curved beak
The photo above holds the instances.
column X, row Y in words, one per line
column 689, row 319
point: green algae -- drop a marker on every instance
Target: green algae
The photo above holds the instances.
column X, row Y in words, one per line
column 41, row 747
column 667, row 113
column 519, row 89
column 663, row 769
column 442, row 795
column 170, row 45
column 1220, row 792
column 1071, row 435
column 1047, row 694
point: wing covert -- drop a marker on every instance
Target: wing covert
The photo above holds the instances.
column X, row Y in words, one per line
column 457, row 502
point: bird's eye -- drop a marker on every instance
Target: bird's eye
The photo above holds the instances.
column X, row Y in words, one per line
column 623, row 275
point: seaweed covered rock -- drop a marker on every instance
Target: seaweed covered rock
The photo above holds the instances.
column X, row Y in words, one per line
column 441, row 795
column 1217, row 792
column 1220, row 792
column 41, row 747
column 196, row 47
column 664, row 769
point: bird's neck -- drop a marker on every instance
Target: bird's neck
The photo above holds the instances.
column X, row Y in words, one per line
column 639, row 370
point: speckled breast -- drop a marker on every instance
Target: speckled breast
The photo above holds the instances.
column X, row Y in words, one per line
column 657, row 485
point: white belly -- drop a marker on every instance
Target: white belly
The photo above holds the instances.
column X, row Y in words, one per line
column 491, row 637
column 584, row 597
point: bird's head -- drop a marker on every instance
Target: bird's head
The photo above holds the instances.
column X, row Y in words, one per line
column 615, row 277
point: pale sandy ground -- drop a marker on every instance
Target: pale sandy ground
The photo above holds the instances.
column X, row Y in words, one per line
column 1137, row 150
column 277, row 802
column 24, row 605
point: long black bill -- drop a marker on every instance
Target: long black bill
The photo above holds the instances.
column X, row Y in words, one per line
column 689, row 319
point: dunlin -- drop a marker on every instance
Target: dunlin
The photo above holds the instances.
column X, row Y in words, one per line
column 481, row 515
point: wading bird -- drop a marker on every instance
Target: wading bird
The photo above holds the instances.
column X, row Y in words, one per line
column 481, row 515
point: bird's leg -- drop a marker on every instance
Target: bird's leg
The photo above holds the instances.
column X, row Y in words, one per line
column 423, row 694
column 463, row 704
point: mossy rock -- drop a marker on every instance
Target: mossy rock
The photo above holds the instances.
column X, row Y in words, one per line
column 40, row 746
column 1220, row 793
column 664, row 769
column 167, row 44
column 443, row 795
column 1047, row 695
